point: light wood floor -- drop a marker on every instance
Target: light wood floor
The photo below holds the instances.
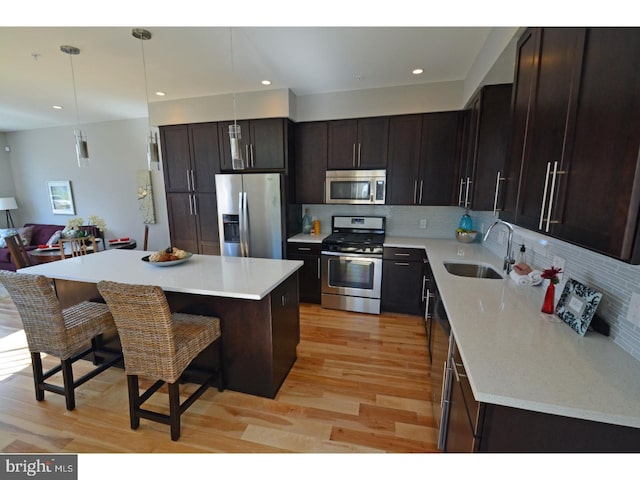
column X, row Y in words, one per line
column 360, row 384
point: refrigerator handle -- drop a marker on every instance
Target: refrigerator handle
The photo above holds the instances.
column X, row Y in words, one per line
column 241, row 222
column 247, row 232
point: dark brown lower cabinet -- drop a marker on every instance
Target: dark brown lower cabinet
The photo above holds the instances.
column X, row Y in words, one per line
column 482, row 427
column 403, row 280
column 309, row 274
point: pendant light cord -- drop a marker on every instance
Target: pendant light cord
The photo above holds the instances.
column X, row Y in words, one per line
column 75, row 95
column 233, row 76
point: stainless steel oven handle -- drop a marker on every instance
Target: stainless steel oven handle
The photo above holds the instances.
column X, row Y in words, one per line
column 359, row 256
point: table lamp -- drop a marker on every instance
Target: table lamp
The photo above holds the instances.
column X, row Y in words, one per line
column 6, row 204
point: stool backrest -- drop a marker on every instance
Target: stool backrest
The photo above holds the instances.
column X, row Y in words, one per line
column 145, row 326
column 35, row 298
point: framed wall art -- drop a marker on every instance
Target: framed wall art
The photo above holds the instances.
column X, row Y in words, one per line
column 61, row 197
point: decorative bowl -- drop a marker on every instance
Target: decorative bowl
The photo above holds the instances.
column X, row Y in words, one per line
column 466, row 237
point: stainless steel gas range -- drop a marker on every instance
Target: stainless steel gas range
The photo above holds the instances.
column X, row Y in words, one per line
column 352, row 264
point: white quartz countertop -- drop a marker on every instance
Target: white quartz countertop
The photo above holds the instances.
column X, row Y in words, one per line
column 306, row 238
column 235, row 277
column 516, row 356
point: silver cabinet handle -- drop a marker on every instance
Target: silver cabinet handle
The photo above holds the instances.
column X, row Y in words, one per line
column 402, row 264
column 306, row 249
column 460, row 192
column 193, row 182
column 415, row 192
column 195, row 205
column 353, row 155
column 252, row 159
column 444, row 379
column 455, row 371
column 359, row 153
column 466, row 195
column 188, row 180
column 554, row 176
column 318, row 268
column 402, row 254
column 421, row 185
column 495, row 196
column 190, row 206
column 424, row 284
column 246, row 154
column 544, row 195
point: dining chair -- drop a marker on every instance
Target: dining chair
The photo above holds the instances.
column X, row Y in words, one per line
column 95, row 232
column 77, row 246
column 19, row 255
column 67, row 334
column 159, row 345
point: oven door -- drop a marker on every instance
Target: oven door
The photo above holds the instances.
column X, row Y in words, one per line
column 351, row 274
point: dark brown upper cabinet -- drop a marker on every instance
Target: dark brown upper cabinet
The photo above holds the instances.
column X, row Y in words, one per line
column 489, row 128
column 311, row 140
column 358, row 143
column 264, row 142
column 578, row 144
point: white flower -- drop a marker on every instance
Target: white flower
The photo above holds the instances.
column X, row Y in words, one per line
column 97, row 221
column 75, row 223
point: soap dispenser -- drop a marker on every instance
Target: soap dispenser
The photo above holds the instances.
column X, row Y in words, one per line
column 306, row 222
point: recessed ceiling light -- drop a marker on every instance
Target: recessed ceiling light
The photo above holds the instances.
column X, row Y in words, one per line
column 160, row 94
column 266, row 82
column 57, row 107
column 417, row 71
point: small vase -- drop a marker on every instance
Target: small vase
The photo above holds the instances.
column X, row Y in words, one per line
column 548, row 305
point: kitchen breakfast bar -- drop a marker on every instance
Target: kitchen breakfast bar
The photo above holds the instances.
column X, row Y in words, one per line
column 256, row 300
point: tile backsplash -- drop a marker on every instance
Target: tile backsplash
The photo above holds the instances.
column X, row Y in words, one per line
column 617, row 280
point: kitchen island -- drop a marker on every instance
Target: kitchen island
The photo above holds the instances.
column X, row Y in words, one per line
column 256, row 300
column 539, row 386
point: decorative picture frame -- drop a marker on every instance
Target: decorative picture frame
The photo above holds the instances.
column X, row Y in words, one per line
column 577, row 305
column 61, row 197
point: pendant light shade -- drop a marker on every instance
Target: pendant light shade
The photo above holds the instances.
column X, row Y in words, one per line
column 235, row 133
column 153, row 157
column 82, row 147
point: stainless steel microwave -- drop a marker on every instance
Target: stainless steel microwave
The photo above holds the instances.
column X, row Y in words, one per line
column 365, row 187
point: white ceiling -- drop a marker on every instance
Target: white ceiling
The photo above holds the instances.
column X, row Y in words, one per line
column 196, row 61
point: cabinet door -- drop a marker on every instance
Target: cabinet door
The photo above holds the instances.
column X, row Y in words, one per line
column 176, row 158
column 598, row 198
column 225, row 144
column 205, row 210
column 205, row 156
column 267, row 149
column 525, row 73
column 342, row 144
column 311, row 161
column 183, row 229
column 403, row 280
column 440, row 157
column 491, row 145
column 372, row 144
column 556, row 91
column 405, row 133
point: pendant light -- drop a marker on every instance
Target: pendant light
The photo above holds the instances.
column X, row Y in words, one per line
column 152, row 139
column 82, row 148
column 235, row 134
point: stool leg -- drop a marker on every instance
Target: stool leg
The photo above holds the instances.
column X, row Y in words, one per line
column 134, row 400
column 67, row 378
column 174, row 410
column 36, row 365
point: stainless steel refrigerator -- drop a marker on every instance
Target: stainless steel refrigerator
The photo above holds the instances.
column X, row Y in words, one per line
column 251, row 214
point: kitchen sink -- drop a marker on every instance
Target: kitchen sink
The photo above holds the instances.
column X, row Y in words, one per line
column 474, row 270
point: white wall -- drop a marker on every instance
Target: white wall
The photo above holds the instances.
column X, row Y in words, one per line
column 7, row 188
column 107, row 188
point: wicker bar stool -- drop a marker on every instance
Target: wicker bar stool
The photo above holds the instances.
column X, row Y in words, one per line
column 64, row 333
column 159, row 345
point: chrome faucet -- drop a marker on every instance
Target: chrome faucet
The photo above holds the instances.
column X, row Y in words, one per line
column 508, row 259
